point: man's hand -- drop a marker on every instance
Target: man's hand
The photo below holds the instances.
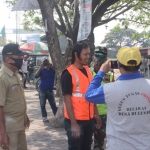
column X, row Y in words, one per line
column 41, row 66
column 4, row 141
column 28, row 122
column 75, row 129
column 51, row 66
column 97, row 118
column 98, row 122
column 37, row 74
column 106, row 67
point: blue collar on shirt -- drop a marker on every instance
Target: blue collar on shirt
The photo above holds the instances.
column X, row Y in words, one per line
column 45, row 68
column 130, row 76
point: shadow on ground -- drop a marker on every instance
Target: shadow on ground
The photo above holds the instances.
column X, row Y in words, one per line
column 40, row 135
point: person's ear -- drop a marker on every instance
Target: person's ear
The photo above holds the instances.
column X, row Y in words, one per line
column 75, row 55
column 118, row 64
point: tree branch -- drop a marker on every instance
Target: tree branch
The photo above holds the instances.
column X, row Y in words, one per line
column 136, row 21
column 66, row 19
column 143, row 10
column 94, row 4
column 116, row 9
column 120, row 6
column 68, row 6
column 71, row 1
column 114, row 17
column 146, row 8
column 60, row 17
column 76, row 15
column 59, row 27
column 101, row 10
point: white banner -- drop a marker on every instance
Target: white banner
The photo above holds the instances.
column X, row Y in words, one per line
column 26, row 5
column 85, row 19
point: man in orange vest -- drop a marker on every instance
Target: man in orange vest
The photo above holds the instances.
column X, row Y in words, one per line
column 78, row 113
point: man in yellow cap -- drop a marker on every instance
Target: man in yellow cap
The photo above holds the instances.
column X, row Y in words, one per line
column 127, row 100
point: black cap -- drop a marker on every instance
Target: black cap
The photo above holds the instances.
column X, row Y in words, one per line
column 12, row 49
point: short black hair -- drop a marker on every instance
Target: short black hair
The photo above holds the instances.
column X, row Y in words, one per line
column 133, row 66
column 78, row 47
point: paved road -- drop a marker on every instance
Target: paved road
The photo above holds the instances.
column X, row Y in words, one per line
column 41, row 136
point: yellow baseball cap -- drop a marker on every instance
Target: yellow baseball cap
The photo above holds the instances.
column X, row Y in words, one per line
column 126, row 53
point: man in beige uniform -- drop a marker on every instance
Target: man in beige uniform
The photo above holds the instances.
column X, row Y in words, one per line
column 13, row 118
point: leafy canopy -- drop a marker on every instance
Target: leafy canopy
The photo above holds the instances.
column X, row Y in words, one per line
column 118, row 37
column 66, row 14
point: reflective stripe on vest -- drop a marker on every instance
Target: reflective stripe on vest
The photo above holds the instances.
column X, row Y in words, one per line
column 78, row 95
column 77, row 81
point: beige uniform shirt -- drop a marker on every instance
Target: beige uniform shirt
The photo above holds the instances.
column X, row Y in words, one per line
column 13, row 100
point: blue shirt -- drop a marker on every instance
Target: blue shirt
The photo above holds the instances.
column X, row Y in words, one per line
column 95, row 93
column 47, row 77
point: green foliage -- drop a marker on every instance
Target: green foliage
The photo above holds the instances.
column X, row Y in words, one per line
column 32, row 20
column 139, row 14
column 143, row 38
column 10, row 41
column 117, row 28
column 135, row 12
column 11, row 2
column 118, row 37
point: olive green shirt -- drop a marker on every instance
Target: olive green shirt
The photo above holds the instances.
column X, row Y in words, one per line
column 12, row 99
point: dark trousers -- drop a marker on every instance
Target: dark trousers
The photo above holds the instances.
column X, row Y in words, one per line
column 43, row 96
column 25, row 79
column 100, row 134
column 85, row 140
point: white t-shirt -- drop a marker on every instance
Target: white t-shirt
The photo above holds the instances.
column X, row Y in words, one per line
column 128, row 116
column 24, row 66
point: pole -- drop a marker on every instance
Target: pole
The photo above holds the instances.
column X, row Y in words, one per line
column 16, row 27
column 148, row 69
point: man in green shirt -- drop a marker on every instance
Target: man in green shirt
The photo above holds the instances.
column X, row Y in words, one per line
column 100, row 134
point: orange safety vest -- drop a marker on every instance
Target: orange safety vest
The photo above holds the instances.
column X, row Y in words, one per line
column 83, row 110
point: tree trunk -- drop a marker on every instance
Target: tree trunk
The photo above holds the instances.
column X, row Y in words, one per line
column 90, row 42
column 46, row 7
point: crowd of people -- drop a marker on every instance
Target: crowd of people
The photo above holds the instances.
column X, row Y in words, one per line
column 95, row 105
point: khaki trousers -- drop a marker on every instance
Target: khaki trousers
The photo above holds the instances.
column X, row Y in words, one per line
column 17, row 140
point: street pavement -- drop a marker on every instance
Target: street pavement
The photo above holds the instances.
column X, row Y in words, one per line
column 40, row 135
